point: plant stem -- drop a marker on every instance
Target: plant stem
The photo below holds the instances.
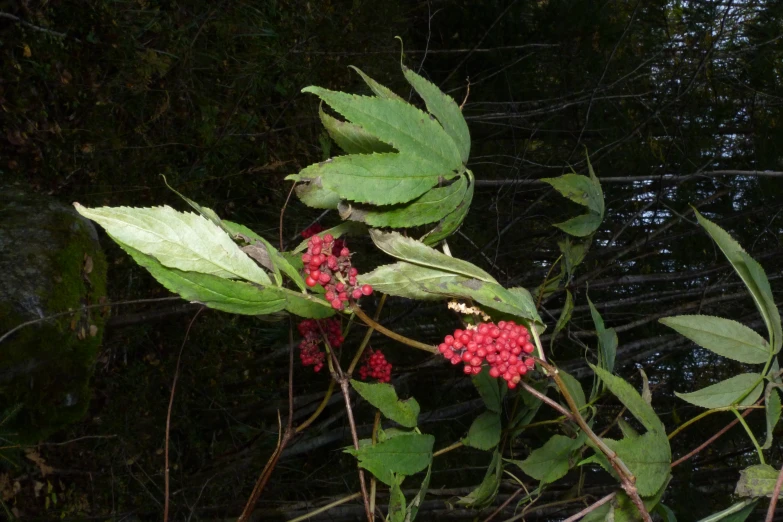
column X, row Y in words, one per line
column 319, row 410
column 367, row 336
column 711, row 439
column 591, row 508
column 392, row 335
column 326, row 507
column 750, row 434
column 454, row 446
column 775, row 495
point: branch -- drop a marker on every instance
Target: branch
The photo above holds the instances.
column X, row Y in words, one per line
column 591, row 508
column 19, row 21
column 775, row 495
column 667, row 178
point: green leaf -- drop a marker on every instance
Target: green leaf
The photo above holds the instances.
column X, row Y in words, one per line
column 574, row 388
column 382, row 396
column 404, row 454
column 379, row 179
column 631, row 399
column 648, row 456
column 607, row 344
column 406, row 128
column 735, row 513
column 666, row 514
column 181, row 240
column 757, row 481
column 451, row 223
column 629, row 431
column 752, row 275
column 582, row 225
column 746, row 386
column 486, row 492
column 305, row 305
column 206, row 212
column 428, row 208
column 443, row 107
column 772, row 414
column 379, row 90
column 724, row 337
column 415, row 503
column 484, row 433
column 579, row 189
column 573, row 253
column 416, row 252
column 551, row 461
column 312, row 193
column 279, row 262
column 346, row 228
column 565, row 316
column 490, row 390
column 626, row 511
column 397, row 508
column 215, row 292
column 351, row 137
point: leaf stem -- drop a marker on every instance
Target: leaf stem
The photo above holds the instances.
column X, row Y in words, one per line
column 392, row 335
column 454, row 446
column 319, row 410
column 327, row 507
column 750, row 434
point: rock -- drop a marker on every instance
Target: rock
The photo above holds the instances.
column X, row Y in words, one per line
column 50, row 262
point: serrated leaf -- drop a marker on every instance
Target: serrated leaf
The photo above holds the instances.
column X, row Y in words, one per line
column 565, row 316
column 752, row 275
column 305, row 305
column 379, row 90
column 574, row 388
column 215, row 292
column 579, row 189
column 403, row 126
column 451, row 223
column 432, row 206
column 490, row 389
column 631, row 399
column 378, row 179
column 351, row 137
column 607, row 346
column 582, row 225
column 384, row 397
column 312, row 193
column 484, row 432
column 181, row 240
column 735, row 513
column 443, row 107
column 404, row 454
column 551, row 461
column 573, row 254
column 724, row 337
column 206, row 212
column 397, row 508
column 626, row 511
column 416, row 501
column 416, row 252
column 486, row 492
column 728, row 392
column 757, row 481
column 772, row 414
column 628, row 431
column 648, row 456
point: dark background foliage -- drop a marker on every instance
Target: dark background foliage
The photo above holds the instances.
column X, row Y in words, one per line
column 678, row 103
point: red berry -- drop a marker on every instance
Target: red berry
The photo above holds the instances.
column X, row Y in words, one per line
column 324, row 278
column 337, row 304
column 310, row 281
column 356, row 294
column 345, row 252
column 328, row 238
column 366, row 289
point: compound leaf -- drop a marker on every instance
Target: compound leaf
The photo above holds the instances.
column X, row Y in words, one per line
column 449, row 224
column 351, row 137
column 551, row 461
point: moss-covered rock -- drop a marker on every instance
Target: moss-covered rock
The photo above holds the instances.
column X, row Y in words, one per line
column 50, row 262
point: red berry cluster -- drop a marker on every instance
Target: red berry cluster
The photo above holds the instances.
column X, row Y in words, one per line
column 331, row 268
column 312, row 230
column 375, row 366
column 310, row 352
column 504, row 347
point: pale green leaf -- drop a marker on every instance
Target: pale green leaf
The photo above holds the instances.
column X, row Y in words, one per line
column 757, row 481
column 607, row 345
column 579, row 189
column 451, row 223
column 432, row 206
column 738, row 512
column 551, row 461
column 379, row 90
column 443, row 107
column 404, row 454
column 628, row 431
column 565, row 316
column 378, row 179
column 772, row 414
column 752, row 275
column 724, row 337
column 351, row 137
column 208, row 213
column 384, row 397
column 574, row 253
column 312, row 193
column 486, row 492
column 648, row 456
column 741, row 390
column 403, row 126
column 397, row 508
column 490, row 389
column 631, row 399
column 484, row 432
column 215, row 292
column 416, row 501
column 180, row 240
column 416, row 252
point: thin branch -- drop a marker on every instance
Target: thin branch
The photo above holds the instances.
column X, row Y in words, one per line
column 19, row 21
column 775, row 495
column 668, row 178
column 166, row 478
column 710, row 440
column 591, row 508
column 388, row 333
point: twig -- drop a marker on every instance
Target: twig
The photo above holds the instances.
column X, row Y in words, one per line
column 388, row 333
column 775, row 495
column 166, row 478
column 710, row 440
column 282, row 214
column 366, row 339
column 502, row 506
column 326, row 507
column 19, row 21
column 591, row 508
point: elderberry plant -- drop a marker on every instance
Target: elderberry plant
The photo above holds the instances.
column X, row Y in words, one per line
column 406, row 169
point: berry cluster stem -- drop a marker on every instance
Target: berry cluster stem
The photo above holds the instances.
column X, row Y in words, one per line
column 392, row 335
column 367, row 335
